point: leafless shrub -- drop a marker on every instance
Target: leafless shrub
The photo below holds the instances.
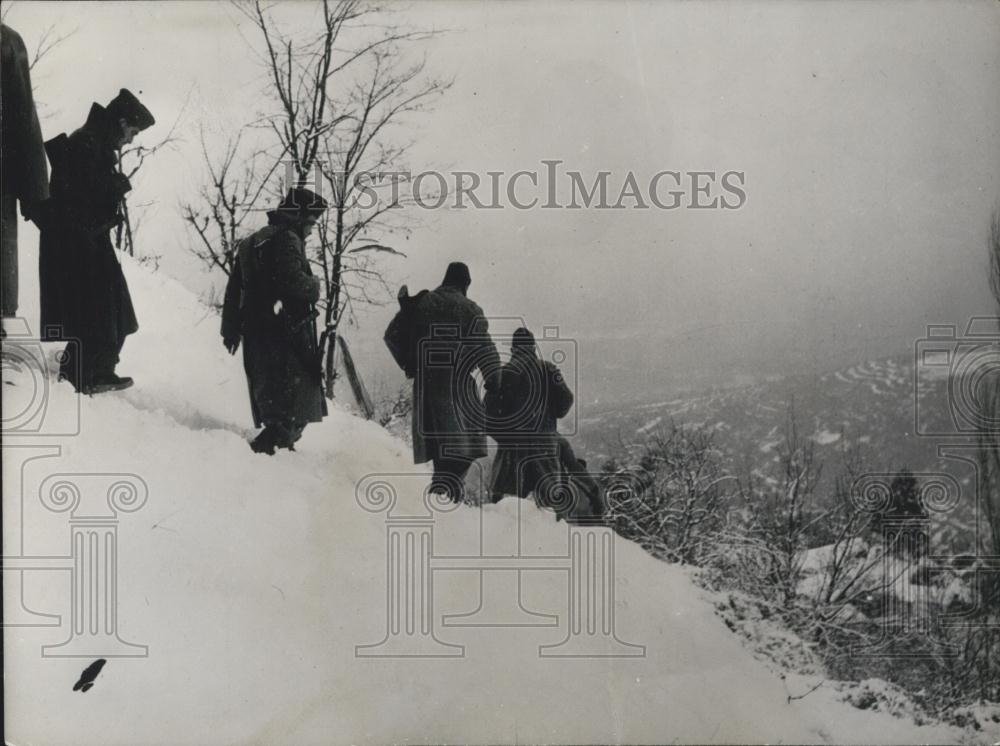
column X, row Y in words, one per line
column 338, row 92
column 683, row 497
column 236, row 182
column 393, row 408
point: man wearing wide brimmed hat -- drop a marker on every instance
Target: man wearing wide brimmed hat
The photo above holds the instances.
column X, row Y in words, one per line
column 84, row 296
column 270, row 306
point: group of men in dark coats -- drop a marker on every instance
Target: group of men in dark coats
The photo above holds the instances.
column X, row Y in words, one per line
column 440, row 338
column 84, row 298
column 85, row 301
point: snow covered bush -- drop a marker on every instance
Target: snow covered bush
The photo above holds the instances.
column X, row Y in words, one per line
column 807, row 576
column 686, row 493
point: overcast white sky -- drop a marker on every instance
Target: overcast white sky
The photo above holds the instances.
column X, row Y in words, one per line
column 869, row 134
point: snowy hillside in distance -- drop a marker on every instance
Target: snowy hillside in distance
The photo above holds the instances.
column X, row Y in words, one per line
column 253, row 579
column 874, row 406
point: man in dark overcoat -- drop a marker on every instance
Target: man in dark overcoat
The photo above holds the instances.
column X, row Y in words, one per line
column 444, row 336
column 532, row 457
column 84, row 297
column 270, row 305
column 523, row 411
column 25, row 173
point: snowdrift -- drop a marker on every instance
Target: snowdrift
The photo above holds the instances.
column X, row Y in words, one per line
column 256, row 582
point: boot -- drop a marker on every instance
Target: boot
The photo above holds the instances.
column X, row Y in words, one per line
column 264, row 442
column 107, row 382
column 71, row 369
column 285, row 434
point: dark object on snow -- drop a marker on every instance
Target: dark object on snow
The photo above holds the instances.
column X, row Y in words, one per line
column 24, row 176
column 270, row 307
column 89, row 674
column 84, row 295
column 441, row 337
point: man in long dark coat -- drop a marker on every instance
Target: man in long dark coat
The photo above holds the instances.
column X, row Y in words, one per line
column 532, row 457
column 443, row 337
column 25, row 173
column 271, row 306
column 523, row 411
column 84, row 296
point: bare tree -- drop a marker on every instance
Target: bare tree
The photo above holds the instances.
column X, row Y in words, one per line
column 782, row 512
column 989, row 431
column 340, row 140
column 51, row 38
column 236, row 183
column 130, row 161
column 356, row 154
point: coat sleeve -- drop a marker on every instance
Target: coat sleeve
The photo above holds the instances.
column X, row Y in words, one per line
column 293, row 283
column 560, row 397
column 21, row 131
column 231, row 326
column 488, row 359
column 85, row 187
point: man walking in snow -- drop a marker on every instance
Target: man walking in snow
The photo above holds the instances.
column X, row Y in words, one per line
column 440, row 337
column 25, row 173
column 270, row 305
column 84, row 296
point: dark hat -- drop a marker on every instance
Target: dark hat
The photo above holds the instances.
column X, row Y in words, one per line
column 523, row 338
column 457, row 275
column 300, row 200
column 126, row 106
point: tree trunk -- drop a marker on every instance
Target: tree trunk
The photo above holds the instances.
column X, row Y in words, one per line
column 333, row 305
column 329, row 367
column 989, row 467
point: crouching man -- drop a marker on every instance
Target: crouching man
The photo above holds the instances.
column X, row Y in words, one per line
column 523, row 411
column 270, row 306
column 532, row 457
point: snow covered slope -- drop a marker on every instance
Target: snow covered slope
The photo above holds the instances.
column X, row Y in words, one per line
column 252, row 581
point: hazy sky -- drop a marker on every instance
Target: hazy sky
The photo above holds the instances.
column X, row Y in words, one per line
column 869, row 135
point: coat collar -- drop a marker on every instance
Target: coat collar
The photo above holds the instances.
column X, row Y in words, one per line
column 98, row 116
column 281, row 219
column 523, row 353
column 452, row 288
column 100, row 124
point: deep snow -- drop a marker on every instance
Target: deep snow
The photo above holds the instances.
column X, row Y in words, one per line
column 253, row 579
